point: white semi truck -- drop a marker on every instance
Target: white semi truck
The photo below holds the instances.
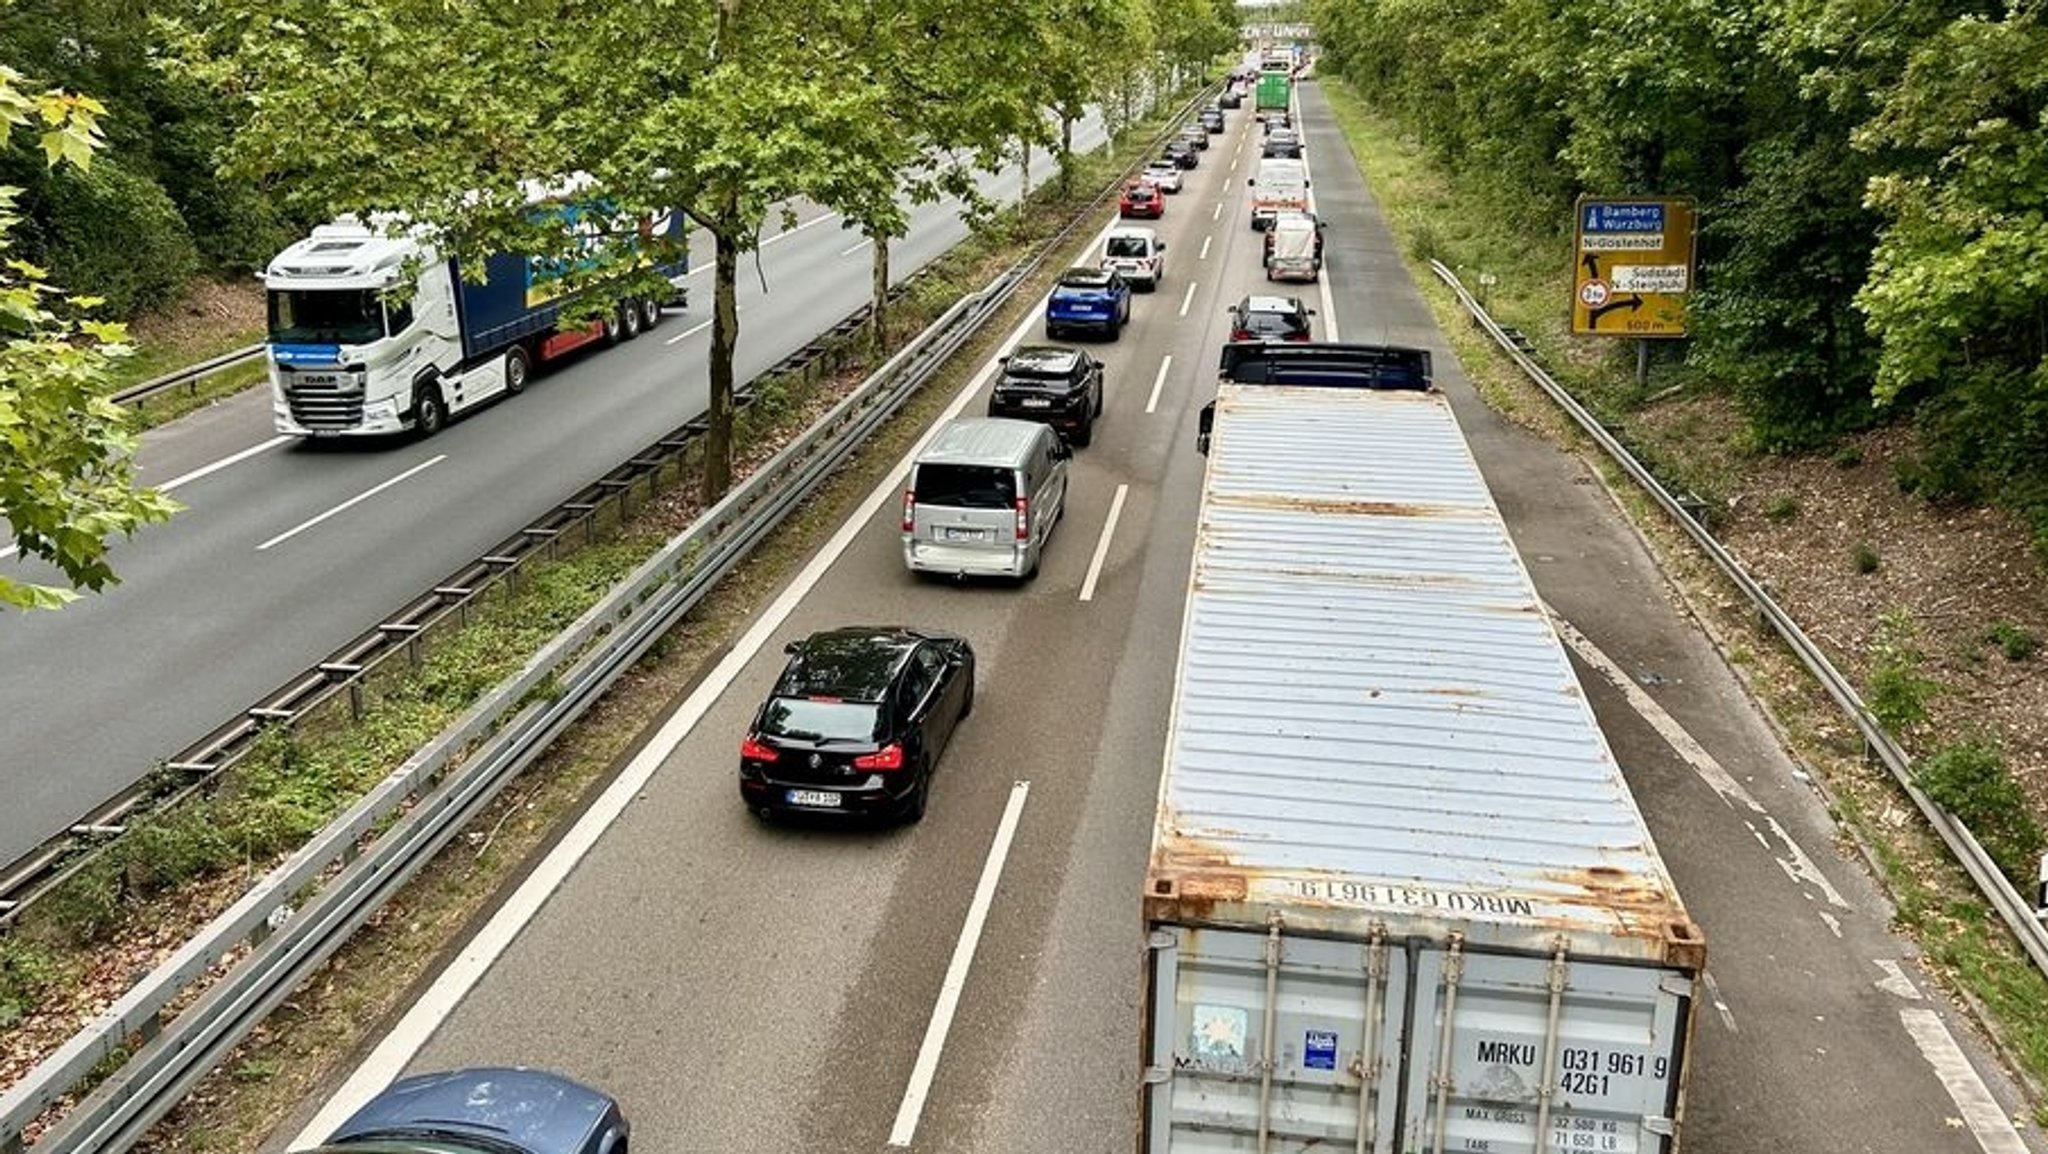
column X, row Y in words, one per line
column 356, row 351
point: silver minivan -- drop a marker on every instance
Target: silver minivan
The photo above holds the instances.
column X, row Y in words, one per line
column 983, row 497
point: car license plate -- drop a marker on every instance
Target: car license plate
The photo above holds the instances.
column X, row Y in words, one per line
column 955, row 533
column 1037, row 403
column 823, row 798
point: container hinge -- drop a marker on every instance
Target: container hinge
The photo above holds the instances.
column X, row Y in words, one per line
column 1661, row 1126
column 1161, row 940
column 1157, row 1076
column 1677, row 984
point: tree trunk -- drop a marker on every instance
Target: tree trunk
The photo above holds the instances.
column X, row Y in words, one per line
column 1066, row 154
column 878, row 309
column 725, row 335
column 1024, row 169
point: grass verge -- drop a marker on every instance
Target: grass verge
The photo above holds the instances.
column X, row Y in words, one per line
column 1456, row 219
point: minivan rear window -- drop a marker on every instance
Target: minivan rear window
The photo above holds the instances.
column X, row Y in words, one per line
column 966, row 486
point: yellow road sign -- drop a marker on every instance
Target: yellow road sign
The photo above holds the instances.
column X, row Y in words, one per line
column 1634, row 266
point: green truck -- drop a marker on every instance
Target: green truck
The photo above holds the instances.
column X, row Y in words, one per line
column 1272, row 92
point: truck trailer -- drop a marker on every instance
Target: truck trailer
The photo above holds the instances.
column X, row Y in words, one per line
column 1273, row 94
column 1399, row 899
column 373, row 332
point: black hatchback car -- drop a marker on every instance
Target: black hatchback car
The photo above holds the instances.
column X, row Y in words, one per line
column 1212, row 119
column 1061, row 387
column 856, row 723
column 1182, row 153
column 1270, row 318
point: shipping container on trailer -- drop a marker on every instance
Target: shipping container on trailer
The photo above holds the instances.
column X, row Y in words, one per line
column 1400, row 899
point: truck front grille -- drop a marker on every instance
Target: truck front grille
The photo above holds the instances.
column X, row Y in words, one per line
column 324, row 401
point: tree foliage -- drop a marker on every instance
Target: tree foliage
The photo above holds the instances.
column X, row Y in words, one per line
column 1872, row 176
column 66, row 480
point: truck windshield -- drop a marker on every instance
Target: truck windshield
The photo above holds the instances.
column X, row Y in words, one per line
column 326, row 316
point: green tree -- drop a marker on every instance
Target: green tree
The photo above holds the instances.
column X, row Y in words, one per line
column 66, row 475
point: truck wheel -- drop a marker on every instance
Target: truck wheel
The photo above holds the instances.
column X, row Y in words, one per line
column 650, row 313
column 611, row 329
column 429, row 411
column 517, row 369
column 629, row 320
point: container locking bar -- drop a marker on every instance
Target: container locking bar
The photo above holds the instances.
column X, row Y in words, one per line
column 1367, row 1068
column 1548, row 1092
column 1440, row 1081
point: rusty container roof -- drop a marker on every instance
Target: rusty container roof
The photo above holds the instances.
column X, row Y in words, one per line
column 1373, row 717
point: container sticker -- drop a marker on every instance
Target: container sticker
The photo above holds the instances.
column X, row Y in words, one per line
column 1219, row 1032
column 1319, row 1050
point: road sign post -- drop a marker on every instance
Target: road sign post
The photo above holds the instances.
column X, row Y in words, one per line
column 1634, row 266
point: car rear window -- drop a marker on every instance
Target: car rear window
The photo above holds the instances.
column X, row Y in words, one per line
column 1128, row 246
column 1269, row 323
column 966, row 486
column 821, row 719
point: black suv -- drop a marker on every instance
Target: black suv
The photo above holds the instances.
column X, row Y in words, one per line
column 856, row 722
column 1182, row 153
column 1061, row 387
column 1212, row 119
column 1270, row 318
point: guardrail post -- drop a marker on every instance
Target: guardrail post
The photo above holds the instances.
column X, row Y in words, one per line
column 2041, row 893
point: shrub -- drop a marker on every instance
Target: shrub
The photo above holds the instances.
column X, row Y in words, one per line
column 2012, row 640
column 1897, row 694
column 114, row 234
column 1782, row 508
column 1848, row 456
column 1865, row 559
column 1970, row 781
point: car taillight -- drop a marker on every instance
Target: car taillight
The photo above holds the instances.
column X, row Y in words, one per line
column 1297, row 336
column 1023, row 518
column 909, row 510
column 1240, row 334
column 752, row 749
column 889, row 756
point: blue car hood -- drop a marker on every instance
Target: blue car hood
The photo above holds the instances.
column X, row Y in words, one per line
column 540, row 1112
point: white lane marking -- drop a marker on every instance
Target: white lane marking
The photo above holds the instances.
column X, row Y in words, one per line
column 1152, row 402
column 1833, row 923
column 1218, row 213
column 1981, row 1112
column 956, row 971
column 692, row 331
column 1720, row 1005
column 1895, row 982
column 224, row 462
column 194, row 475
column 1116, row 510
column 1188, row 299
column 708, row 265
column 1233, row 164
column 468, row 967
column 1205, row 241
column 1799, row 867
column 352, row 502
column 864, row 242
column 1323, row 279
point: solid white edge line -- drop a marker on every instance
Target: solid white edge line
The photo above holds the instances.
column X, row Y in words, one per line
column 468, row 967
column 1152, row 402
column 1323, row 277
column 1981, row 1112
column 864, row 242
column 693, row 330
column 1116, row 510
column 1205, row 243
column 707, row 266
column 927, row 1064
column 352, row 502
column 1189, row 298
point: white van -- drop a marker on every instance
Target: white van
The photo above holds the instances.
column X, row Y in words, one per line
column 983, row 497
column 1280, row 186
column 1138, row 253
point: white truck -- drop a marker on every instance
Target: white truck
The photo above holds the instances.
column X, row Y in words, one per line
column 1400, row 899
column 355, row 351
column 1280, row 185
column 1138, row 253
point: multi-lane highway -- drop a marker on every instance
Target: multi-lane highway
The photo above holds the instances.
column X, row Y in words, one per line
column 747, row 988
column 288, row 550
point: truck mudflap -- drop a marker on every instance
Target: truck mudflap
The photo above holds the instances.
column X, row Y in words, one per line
column 1291, row 1045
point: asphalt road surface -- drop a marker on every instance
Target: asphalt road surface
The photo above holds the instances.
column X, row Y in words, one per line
column 747, row 988
column 288, row 550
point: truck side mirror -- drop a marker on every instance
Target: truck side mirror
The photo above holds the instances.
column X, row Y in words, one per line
column 1204, row 425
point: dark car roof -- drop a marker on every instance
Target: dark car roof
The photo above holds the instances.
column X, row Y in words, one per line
column 1043, row 360
column 1085, row 277
column 533, row 1108
column 855, row 662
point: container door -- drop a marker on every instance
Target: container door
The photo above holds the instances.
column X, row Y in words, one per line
column 1612, row 1056
column 1219, row 1067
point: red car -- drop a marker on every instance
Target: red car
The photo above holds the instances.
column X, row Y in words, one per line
column 1142, row 198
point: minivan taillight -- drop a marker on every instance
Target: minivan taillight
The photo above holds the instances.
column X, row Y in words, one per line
column 752, row 749
column 909, row 510
column 1240, row 334
column 1023, row 518
column 889, row 756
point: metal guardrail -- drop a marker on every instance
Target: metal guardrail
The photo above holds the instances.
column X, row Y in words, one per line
column 1998, row 890
column 191, row 375
column 348, row 870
